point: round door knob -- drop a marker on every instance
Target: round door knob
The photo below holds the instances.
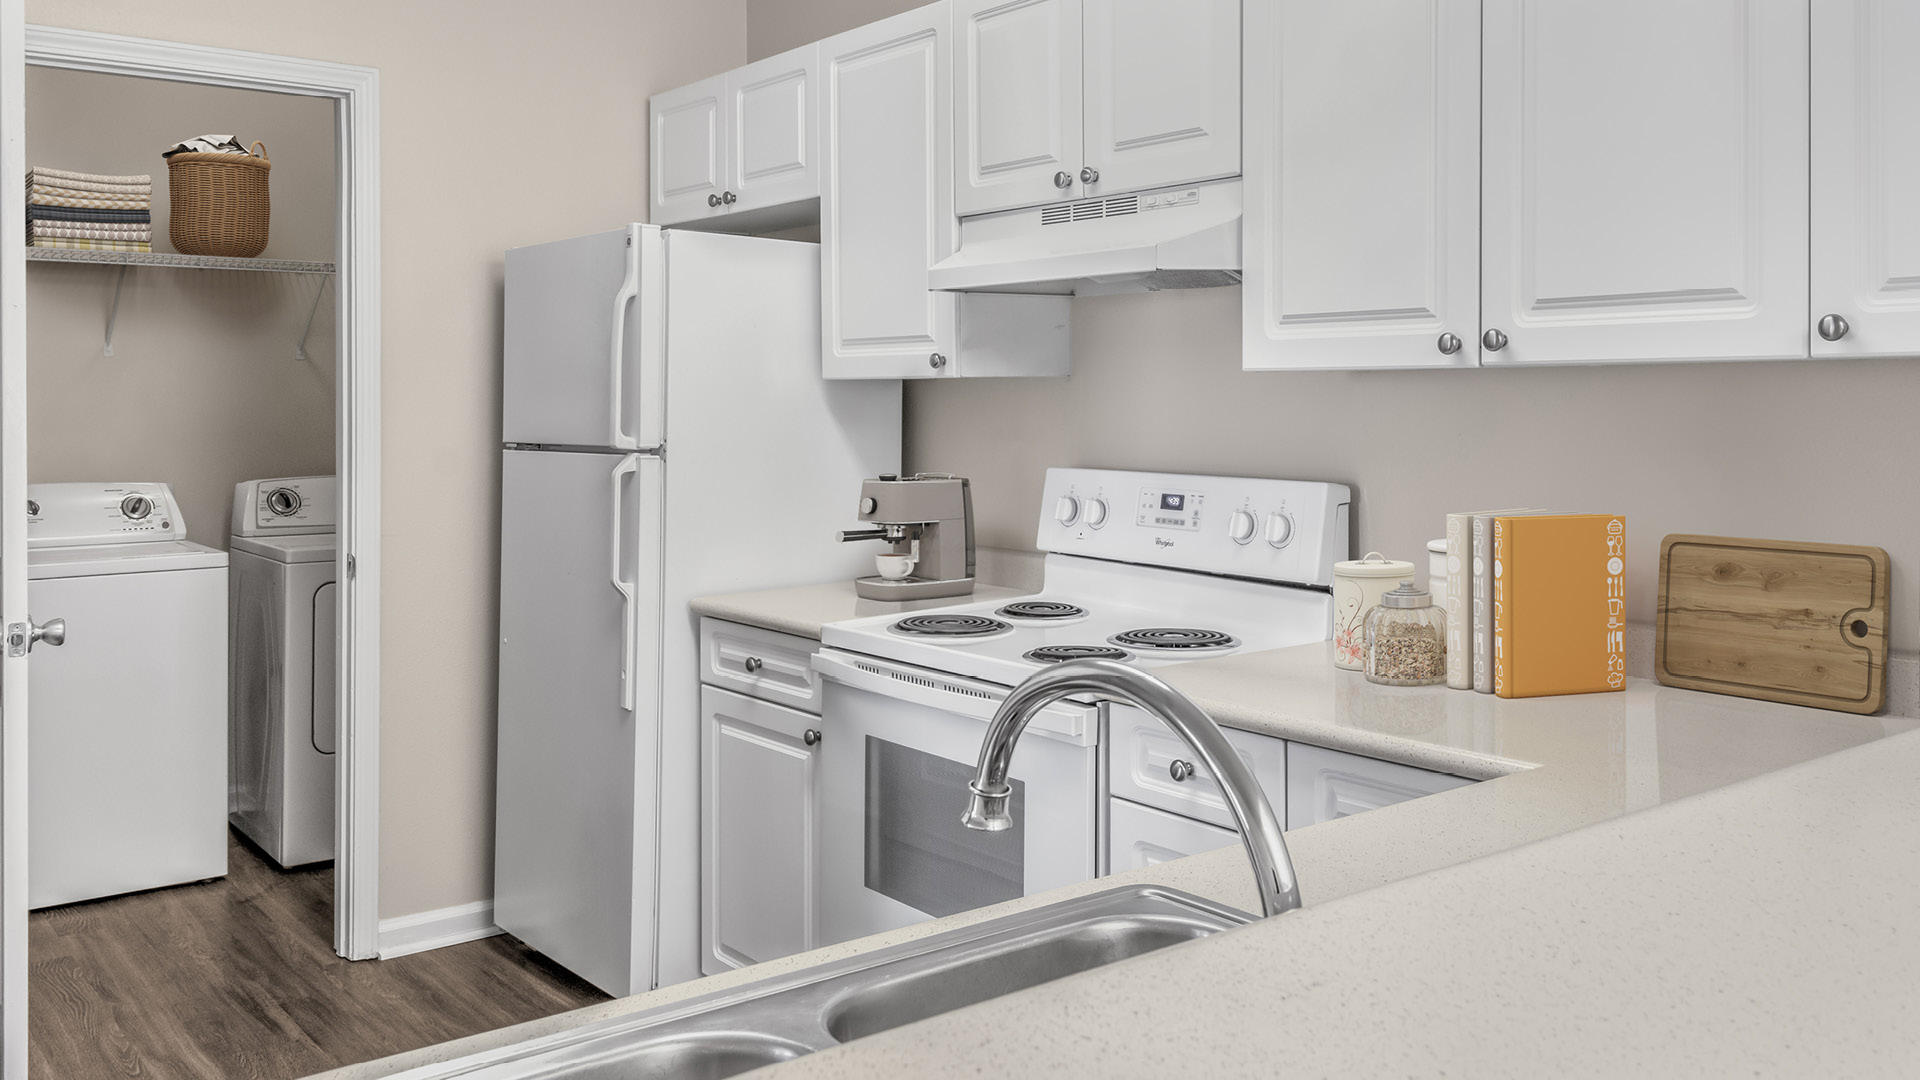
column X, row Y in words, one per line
column 1493, row 340
column 936, row 361
column 728, row 198
column 136, row 507
column 753, row 664
column 713, row 200
column 1089, row 175
column 1095, row 512
column 1240, row 526
column 1180, row 770
column 811, row 737
column 1063, row 180
column 1279, row 529
column 1449, row 344
column 1067, row 510
column 1834, row 327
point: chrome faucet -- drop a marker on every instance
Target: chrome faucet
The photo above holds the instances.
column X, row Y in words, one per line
column 1108, row 679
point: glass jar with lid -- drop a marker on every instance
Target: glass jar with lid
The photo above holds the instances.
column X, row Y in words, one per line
column 1407, row 639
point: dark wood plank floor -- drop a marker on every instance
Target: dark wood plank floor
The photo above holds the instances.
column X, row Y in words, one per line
column 237, row 978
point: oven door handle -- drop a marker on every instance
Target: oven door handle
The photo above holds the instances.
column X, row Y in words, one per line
column 970, row 698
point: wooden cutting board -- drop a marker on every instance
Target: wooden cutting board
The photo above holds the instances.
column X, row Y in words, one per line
column 1801, row 623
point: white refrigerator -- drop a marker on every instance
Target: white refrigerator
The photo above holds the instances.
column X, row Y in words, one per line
column 667, row 434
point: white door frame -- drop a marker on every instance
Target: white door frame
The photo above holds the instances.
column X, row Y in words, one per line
column 357, row 434
column 13, row 546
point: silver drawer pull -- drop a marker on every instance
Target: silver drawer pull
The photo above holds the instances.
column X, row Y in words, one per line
column 752, row 665
column 1180, row 770
column 811, row 737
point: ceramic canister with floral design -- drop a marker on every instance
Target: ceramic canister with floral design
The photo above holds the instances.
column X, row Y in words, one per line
column 1358, row 584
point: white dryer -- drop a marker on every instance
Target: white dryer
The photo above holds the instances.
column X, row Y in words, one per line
column 127, row 735
column 282, row 633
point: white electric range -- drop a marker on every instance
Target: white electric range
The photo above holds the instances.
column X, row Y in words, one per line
column 1146, row 568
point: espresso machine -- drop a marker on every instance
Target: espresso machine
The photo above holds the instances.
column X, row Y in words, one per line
column 927, row 521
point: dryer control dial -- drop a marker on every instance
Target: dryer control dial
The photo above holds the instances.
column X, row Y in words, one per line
column 284, row 502
column 136, row 507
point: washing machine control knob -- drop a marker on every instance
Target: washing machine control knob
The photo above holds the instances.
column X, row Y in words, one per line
column 136, row 507
column 284, row 502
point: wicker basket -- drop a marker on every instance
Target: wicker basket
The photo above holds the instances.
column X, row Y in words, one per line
column 219, row 203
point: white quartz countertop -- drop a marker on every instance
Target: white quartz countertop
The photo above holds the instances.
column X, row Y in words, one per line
column 803, row 609
column 1442, row 934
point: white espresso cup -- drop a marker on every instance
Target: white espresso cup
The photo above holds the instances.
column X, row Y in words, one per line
column 894, row 567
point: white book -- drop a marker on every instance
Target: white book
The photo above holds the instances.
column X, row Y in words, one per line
column 1478, row 569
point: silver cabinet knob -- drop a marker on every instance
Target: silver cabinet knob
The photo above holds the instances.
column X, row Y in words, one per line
column 1449, row 344
column 1180, row 770
column 728, row 198
column 1063, row 180
column 1834, row 327
column 753, row 664
column 936, row 361
column 713, row 200
column 1493, row 340
column 811, row 737
column 53, row 632
column 1089, row 175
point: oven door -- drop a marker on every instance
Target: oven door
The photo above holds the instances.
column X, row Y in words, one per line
column 900, row 744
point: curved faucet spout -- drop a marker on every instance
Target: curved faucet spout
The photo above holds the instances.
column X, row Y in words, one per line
column 988, row 792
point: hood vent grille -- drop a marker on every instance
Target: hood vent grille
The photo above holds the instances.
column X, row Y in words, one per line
column 1090, row 210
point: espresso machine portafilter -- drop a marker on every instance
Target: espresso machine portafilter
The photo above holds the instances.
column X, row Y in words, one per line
column 925, row 519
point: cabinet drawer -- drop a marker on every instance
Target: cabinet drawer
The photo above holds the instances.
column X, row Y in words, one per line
column 1141, row 836
column 1325, row 784
column 1141, row 752
column 760, row 663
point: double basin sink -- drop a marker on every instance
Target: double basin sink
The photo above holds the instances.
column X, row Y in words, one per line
column 780, row 1019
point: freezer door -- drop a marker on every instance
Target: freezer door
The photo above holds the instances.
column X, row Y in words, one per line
column 575, row 829
column 585, row 342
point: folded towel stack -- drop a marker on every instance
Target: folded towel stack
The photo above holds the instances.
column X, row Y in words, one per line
column 88, row 211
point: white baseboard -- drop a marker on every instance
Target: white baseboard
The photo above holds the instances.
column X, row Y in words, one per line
column 407, row 934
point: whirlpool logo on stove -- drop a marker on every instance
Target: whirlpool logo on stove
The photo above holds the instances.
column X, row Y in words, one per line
column 1161, row 541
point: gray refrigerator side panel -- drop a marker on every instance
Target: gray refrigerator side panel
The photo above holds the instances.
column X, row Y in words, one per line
column 764, row 463
column 574, row 842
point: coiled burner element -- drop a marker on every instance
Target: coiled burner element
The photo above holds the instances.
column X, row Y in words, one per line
column 1054, row 654
column 1174, row 637
column 958, row 626
column 1041, row 609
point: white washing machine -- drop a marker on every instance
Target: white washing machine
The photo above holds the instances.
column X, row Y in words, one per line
column 282, row 633
column 127, row 732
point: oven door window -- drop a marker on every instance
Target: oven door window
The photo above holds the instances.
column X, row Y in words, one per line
column 917, row 851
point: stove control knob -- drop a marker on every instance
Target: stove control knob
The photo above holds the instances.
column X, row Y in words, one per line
column 1095, row 512
column 136, row 507
column 1067, row 510
column 1279, row 530
column 1240, row 526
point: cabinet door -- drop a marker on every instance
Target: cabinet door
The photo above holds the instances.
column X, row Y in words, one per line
column 1016, row 102
column 1645, row 181
column 886, row 206
column 1866, row 169
column 757, row 830
column 1141, row 836
column 1162, row 93
column 1361, row 236
column 687, row 152
column 1148, row 764
column 1326, row 784
column 773, row 124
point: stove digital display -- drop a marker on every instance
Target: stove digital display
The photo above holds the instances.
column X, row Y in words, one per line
column 1169, row 510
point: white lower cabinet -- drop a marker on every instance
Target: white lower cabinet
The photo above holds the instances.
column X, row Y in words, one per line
column 1150, row 765
column 1326, row 784
column 1141, row 836
column 758, row 832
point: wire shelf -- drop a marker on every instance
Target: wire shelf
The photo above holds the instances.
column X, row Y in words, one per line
column 177, row 262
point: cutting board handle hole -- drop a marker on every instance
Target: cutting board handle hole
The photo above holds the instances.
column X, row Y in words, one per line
column 1859, row 627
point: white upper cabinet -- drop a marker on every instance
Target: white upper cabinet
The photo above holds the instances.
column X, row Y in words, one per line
column 1016, row 102
column 886, row 216
column 1644, row 178
column 687, row 152
column 1361, row 233
column 740, row 150
column 1866, row 173
column 1162, row 93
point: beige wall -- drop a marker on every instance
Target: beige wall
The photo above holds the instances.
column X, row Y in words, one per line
column 502, row 123
column 203, row 390
column 1806, row 451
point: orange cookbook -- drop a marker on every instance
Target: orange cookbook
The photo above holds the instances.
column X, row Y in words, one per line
column 1559, row 604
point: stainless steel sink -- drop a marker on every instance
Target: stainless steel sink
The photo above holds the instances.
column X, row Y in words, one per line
column 779, row 1019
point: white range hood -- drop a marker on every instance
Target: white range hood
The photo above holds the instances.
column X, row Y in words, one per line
column 1186, row 237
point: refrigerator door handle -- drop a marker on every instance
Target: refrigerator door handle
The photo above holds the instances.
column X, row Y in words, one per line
column 628, row 466
column 622, row 302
